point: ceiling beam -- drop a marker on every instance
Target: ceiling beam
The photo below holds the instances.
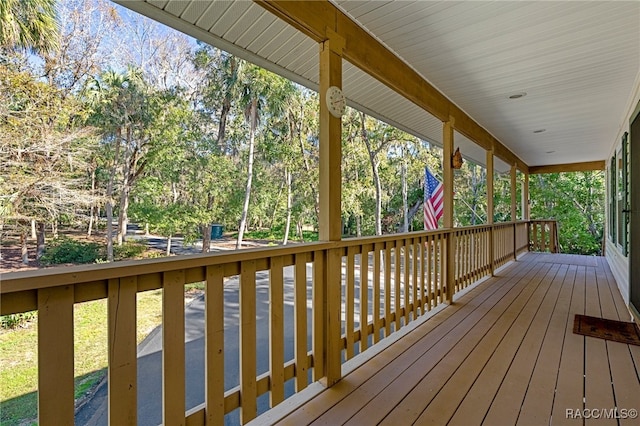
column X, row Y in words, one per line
column 570, row 167
column 367, row 53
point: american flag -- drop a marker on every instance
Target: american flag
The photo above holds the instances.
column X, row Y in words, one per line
column 433, row 200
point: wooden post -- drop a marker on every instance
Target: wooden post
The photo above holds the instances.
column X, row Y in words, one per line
column 123, row 379
column 525, row 197
column 214, row 345
column 447, row 142
column 330, row 143
column 55, row 355
column 514, row 188
column 248, row 386
column 490, row 207
column 173, row 367
column 330, row 220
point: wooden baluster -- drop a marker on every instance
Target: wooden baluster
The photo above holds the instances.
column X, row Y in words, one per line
column 173, row 367
column 333, row 322
column 248, row 391
column 451, row 264
column 300, row 321
column 429, row 277
column 415, row 250
column 377, row 253
column 407, row 279
column 123, row 380
column 276, row 329
column 364, row 299
column 543, row 237
column 319, row 307
column 387, row 288
column 397, row 254
column 55, row 356
column 350, row 302
column 438, row 269
column 214, row 345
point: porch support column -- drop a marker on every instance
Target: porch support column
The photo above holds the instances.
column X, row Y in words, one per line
column 447, row 143
column 525, row 197
column 330, row 143
column 327, row 292
column 490, row 206
column 514, row 188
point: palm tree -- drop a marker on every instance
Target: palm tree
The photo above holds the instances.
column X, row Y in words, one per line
column 28, row 25
column 260, row 90
column 117, row 100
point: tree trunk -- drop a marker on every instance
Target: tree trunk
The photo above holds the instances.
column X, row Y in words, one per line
column 109, row 209
column 307, row 167
column 247, row 195
column 24, row 249
column 33, row 229
column 206, row 238
column 358, row 226
column 222, row 126
column 206, row 228
column 287, row 226
column 405, row 207
column 123, row 217
column 109, row 197
column 93, row 207
column 168, row 246
column 130, row 173
column 274, row 212
column 300, row 231
column 40, row 240
column 226, row 107
column 376, row 175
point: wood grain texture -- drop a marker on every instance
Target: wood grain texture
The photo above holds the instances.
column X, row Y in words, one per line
column 173, row 356
column 55, row 356
column 504, row 353
column 123, row 379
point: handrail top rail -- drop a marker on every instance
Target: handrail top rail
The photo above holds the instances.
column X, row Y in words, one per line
column 27, row 280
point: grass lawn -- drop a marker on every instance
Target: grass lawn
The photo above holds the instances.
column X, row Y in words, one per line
column 19, row 354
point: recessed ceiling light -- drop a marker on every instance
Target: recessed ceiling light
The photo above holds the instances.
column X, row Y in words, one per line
column 517, row 95
column 539, row 130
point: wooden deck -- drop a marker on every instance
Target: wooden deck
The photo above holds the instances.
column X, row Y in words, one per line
column 503, row 354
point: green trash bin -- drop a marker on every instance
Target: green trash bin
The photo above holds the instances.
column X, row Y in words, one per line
column 216, row 231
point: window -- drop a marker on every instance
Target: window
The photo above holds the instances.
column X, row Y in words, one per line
column 619, row 196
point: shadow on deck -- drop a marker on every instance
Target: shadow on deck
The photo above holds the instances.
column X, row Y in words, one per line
column 504, row 353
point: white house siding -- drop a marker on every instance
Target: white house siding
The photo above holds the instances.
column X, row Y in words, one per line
column 619, row 263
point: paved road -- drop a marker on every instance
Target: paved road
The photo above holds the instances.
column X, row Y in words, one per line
column 150, row 355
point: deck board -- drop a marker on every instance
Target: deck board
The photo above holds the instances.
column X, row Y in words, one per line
column 393, row 361
column 512, row 371
column 503, row 353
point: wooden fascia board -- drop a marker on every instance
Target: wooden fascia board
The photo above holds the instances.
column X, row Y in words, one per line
column 364, row 51
column 570, row 167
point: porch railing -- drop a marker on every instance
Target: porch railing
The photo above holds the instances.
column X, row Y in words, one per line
column 544, row 236
column 368, row 287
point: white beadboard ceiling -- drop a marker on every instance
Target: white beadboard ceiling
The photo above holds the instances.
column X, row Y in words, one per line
column 578, row 63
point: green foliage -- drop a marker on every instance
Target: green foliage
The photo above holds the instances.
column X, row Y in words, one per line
column 67, row 250
column 576, row 201
column 277, row 234
column 17, row 320
column 129, row 250
column 28, row 25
